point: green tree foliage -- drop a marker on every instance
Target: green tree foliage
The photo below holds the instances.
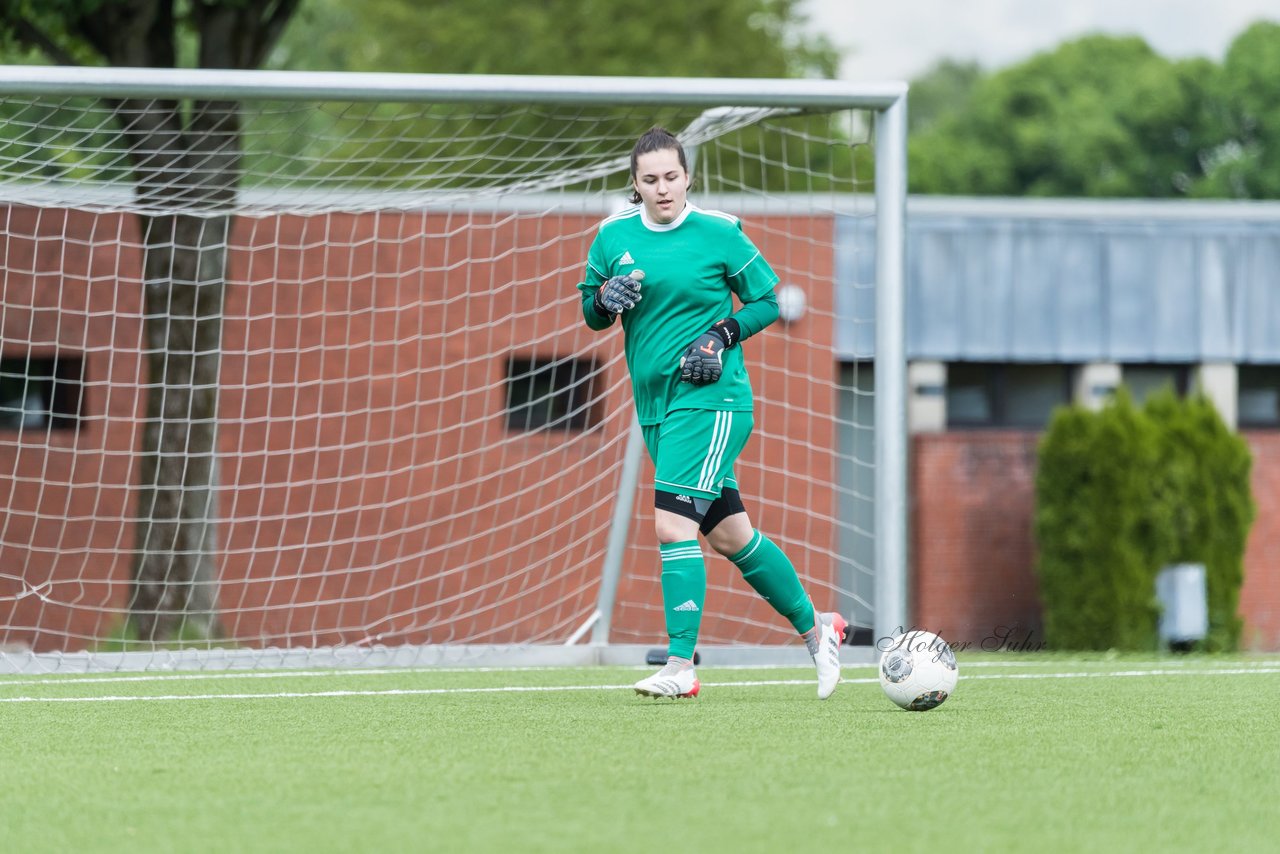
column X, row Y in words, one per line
column 1100, row 116
column 1096, row 566
column 941, row 93
column 701, row 38
column 667, row 38
column 1245, row 163
column 443, row 146
column 1207, row 501
column 1124, row 492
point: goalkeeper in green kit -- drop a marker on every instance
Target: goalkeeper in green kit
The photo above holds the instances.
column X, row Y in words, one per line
column 670, row 270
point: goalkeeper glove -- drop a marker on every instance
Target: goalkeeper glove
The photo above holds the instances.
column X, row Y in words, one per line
column 701, row 363
column 619, row 294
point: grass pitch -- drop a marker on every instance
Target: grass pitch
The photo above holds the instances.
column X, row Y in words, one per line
column 1032, row 753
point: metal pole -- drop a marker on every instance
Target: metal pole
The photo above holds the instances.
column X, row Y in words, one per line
column 891, row 371
column 243, row 85
column 619, row 531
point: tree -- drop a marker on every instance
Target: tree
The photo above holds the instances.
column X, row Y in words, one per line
column 1125, row 492
column 1099, row 116
column 697, row 38
column 1246, row 162
column 942, row 92
column 1098, row 548
column 1206, row 468
column 668, row 38
column 185, row 159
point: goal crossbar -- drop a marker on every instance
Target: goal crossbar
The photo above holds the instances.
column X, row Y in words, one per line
column 233, row 85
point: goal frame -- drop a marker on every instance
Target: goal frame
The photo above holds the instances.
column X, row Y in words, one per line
column 886, row 101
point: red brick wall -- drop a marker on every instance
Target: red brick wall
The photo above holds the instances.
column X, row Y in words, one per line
column 973, row 552
column 1260, row 595
column 370, row 491
column 65, row 496
column 971, row 543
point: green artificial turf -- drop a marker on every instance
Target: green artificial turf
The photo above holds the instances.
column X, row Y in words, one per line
column 1032, row 753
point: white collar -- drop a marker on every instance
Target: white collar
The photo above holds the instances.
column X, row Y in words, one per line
column 666, row 226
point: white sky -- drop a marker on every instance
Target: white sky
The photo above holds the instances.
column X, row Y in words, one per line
column 897, row 39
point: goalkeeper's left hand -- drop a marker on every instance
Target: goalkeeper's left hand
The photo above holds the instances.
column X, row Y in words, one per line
column 701, row 363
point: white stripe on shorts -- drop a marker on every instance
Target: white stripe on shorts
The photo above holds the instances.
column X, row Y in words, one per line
column 715, row 454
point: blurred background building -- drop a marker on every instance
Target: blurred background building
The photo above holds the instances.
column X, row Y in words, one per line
column 1018, row 306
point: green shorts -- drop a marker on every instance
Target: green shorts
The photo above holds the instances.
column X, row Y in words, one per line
column 693, row 450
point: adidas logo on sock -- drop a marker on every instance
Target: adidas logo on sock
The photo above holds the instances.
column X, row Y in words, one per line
column 626, row 258
column 687, row 606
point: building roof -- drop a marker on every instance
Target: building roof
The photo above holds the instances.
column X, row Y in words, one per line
column 1052, row 280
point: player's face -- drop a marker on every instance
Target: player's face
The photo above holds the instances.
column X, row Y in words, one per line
column 662, row 183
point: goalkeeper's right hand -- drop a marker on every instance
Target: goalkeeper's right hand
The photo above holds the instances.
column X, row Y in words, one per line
column 619, row 294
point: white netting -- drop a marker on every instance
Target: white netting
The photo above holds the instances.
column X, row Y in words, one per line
column 314, row 157
column 390, row 425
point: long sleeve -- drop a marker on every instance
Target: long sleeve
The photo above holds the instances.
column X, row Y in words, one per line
column 592, row 278
column 756, row 315
column 594, row 319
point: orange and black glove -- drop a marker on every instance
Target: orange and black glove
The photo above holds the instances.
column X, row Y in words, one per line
column 702, row 361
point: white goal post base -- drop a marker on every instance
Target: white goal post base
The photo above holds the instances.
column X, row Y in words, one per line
column 498, row 656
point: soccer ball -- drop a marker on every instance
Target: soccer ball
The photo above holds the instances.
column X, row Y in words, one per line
column 918, row 671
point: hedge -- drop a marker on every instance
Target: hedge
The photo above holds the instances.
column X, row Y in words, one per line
column 1122, row 493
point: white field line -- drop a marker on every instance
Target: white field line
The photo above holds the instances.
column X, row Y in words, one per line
column 269, row 674
column 1161, row 665
column 515, row 689
column 54, row 679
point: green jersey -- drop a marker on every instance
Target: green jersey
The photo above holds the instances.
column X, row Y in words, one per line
column 692, row 268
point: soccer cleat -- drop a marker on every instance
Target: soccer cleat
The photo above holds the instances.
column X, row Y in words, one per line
column 670, row 681
column 827, row 658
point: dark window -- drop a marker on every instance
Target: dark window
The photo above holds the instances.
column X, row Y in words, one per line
column 981, row 394
column 1145, row 380
column 550, row 393
column 1258, row 404
column 41, row 393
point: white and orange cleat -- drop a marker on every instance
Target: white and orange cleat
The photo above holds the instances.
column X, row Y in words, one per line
column 827, row 658
column 671, row 681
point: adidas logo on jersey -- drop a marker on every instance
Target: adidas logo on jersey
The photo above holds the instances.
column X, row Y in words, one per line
column 687, row 606
column 626, row 258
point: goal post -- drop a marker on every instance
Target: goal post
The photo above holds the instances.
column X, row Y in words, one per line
column 293, row 372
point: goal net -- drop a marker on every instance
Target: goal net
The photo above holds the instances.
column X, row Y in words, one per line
column 293, row 367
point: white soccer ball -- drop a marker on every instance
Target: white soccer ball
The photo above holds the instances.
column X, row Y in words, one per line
column 791, row 303
column 918, row 671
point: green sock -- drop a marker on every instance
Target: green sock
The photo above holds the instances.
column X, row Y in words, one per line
column 684, row 589
column 771, row 574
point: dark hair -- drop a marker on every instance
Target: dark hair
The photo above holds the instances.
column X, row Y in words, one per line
column 654, row 139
